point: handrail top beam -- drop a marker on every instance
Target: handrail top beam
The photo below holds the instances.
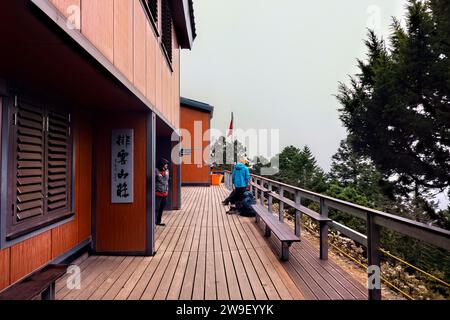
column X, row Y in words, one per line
column 376, row 213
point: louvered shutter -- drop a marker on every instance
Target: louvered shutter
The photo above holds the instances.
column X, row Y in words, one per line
column 153, row 9
column 58, row 161
column 29, row 138
column 166, row 29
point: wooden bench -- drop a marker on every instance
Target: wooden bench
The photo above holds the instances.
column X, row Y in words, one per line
column 281, row 230
column 41, row 282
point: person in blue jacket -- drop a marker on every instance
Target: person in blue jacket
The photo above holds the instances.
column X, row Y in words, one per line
column 241, row 182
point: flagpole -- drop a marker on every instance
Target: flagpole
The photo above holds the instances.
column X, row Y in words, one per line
column 232, row 140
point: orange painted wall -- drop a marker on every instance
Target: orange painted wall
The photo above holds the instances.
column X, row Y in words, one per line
column 191, row 172
column 30, row 255
column 122, row 33
column 120, row 227
column 23, row 258
column 4, row 268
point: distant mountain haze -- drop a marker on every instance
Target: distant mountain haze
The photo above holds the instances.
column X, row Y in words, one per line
column 277, row 64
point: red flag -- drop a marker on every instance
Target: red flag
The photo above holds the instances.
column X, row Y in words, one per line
column 230, row 130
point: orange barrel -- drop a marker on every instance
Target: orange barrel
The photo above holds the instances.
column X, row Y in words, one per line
column 216, row 179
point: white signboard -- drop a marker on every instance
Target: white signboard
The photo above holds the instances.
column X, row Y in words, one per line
column 122, row 155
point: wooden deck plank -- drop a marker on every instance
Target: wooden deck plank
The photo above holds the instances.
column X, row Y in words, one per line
column 188, row 282
column 145, row 279
column 221, row 279
column 89, row 290
column 286, row 288
column 104, row 287
column 87, row 279
column 62, row 283
column 243, row 280
column 177, row 282
column 200, row 277
column 317, row 267
column 202, row 253
column 210, row 279
column 129, row 285
column 166, row 280
column 122, row 279
column 266, row 282
column 85, row 274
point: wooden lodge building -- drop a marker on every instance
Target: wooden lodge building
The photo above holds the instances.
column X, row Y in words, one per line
column 90, row 100
column 195, row 116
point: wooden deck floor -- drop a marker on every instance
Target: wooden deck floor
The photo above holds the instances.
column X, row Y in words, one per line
column 205, row 254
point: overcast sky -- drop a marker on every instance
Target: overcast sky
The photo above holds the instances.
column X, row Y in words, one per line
column 277, row 63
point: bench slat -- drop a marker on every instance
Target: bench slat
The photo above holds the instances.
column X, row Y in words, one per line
column 280, row 229
column 259, row 187
column 34, row 284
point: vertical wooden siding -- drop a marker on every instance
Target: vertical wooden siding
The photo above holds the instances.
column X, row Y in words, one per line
column 117, row 28
column 4, row 268
column 120, row 227
column 29, row 255
column 19, row 260
column 83, row 194
column 191, row 172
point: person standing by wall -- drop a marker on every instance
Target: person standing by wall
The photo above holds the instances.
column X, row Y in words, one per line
column 162, row 189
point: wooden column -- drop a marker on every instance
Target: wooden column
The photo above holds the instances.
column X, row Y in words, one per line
column 270, row 198
column 151, row 167
column 373, row 257
column 323, row 231
column 298, row 215
column 281, row 204
column 262, row 198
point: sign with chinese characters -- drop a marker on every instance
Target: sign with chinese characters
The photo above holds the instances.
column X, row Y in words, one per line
column 122, row 166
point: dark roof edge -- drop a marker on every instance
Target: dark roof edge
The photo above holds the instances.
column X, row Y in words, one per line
column 197, row 105
column 184, row 22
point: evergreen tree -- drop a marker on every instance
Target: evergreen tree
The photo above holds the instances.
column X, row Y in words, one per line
column 350, row 170
column 298, row 167
column 397, row 109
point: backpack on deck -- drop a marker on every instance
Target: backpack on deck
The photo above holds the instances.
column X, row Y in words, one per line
column 245, row 205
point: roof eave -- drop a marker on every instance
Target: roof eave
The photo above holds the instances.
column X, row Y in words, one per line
column 184, row 22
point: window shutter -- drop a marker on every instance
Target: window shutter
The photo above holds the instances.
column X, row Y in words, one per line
column 167, row 29
column 58, row 161
column 28, row 136
column 153, row 8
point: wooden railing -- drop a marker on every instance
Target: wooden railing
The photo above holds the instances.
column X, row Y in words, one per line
column 374, row 221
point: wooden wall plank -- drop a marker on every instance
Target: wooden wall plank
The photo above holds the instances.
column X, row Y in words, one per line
column 140, row 48
column 159, row 79
column 64, row 238
column 97, row 24
column 66, row 6
column 4, row 268
column 84, row 177
column 29, row 255
column 120, row 227
column 152, row 70
column 190, row 172
column 123, row 37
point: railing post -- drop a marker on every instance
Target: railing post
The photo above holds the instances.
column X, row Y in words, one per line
column 373, row 258
column 261, row 198
column 323, row 231
column 270, row 198
column 281, row 204
column 298, row 215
